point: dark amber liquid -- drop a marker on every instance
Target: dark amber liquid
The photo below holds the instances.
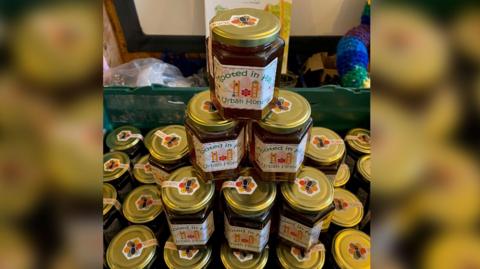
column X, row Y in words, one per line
column 259, row 56
column 208, row 137
column 269, row 137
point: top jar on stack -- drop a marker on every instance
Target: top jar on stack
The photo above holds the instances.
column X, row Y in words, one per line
column 245, row 58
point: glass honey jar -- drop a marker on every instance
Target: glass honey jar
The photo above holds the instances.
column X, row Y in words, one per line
column 168, row 149
column 116, row 171
column 350, row 249
column 134, row 247
column 325, row 150
column 112, row 218
column 143, row 205
column 295, row 257
column 127, row 139
column 142, row 172
column 358, row 144
column 245, row 59
column 278, row 143
column 191, row 258
column 247, row 212
column 239, row 259
column 217, row 146
column 188, row 206
column 342, row 176
column 360, row 182
column 348, row 211
column 306, row 208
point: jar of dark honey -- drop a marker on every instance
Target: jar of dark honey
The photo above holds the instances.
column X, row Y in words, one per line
column 134, row 247
column 116, row 171
column 325, row 150
column 358, row 144
column 168, row 149
column 126, row 139
column 350, row 249
column 112, row 218
column 278, row 143
column 143, row 205
column 142, row 171
column 360, row 183
column 188, row 206
column 245, row 59
column 190, row 258
column 294, row 257
column 306, row 209
column 247, row 211
column 217, row 146
column 239, row 259
column 348, row 211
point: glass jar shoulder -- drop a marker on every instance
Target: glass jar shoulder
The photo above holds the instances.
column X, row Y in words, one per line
column 248, row 56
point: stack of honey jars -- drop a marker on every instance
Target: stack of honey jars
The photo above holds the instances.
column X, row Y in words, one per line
column 247, row 182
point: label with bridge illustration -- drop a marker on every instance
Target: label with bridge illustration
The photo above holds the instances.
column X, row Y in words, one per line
column 279, row 157
column 245, row 238
column 192, row 234
column 217, row 156
column 245, row 87
column 298, row 233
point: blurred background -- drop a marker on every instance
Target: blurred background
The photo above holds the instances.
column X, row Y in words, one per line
column 425, row 66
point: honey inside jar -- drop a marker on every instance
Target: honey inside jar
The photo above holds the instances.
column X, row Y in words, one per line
column 168, row 147
column 278, row 143
column 112, row 222
column 247, row 212
column 188, row 203
column 245, row 59
column 217, row 146
column 306, row 209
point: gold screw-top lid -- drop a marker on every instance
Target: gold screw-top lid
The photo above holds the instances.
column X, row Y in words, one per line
column 123, row 138
column 115, row 164
column 143, row 204
column 292, row 257
column 143, row 172
column 248, row 195
column 342, row 176
column 311, row 192
column 204, row 114
column 109, row 192
column 239, row 259
column 348, row 209
column 187, row 259
column 290, row 113
column 364, row 167
column 351, row 249
column 188, row 194
column 326, row 147
column 245, row 27
column 167, row 144
column 127, row 249
column 358, row 139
